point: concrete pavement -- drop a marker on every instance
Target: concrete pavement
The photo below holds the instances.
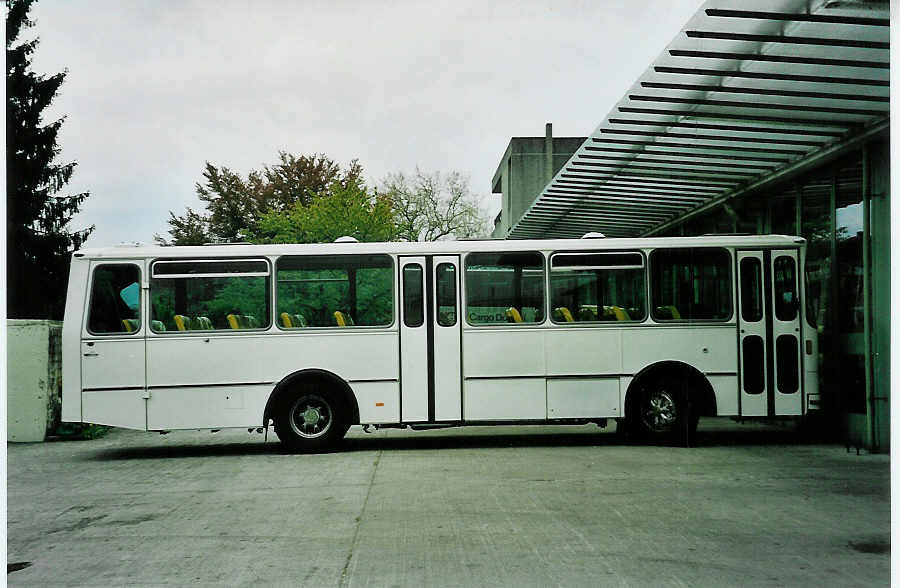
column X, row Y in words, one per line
column 752, row 505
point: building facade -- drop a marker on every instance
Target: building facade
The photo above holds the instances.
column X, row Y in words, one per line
column 772, row 118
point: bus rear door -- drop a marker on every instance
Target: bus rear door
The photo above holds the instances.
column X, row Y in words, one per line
column 769, row 333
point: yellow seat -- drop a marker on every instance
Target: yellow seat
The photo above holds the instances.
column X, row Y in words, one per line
column 562, row 314
column 343, row 319
column 672, row 311
column 292, row 321
column 241, row 321
column 513, row 315
column 131, row 325
column 620, row 313
column 182, row 322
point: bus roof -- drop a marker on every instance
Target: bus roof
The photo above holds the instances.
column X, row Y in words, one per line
column 440, row 247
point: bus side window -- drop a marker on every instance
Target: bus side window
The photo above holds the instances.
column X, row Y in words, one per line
column 341, row 291
column 503, row 285
column 599, row 286
column 690, row 283
column 115, row 305
column 209, row 295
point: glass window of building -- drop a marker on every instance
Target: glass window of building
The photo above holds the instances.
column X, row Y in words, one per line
column 848, row 234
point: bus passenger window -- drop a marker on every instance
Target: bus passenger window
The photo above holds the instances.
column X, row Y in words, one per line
column 209, row 295
column 597, row 287
column 413, row 295
column 446, row 294
column 340, row 291
column 690, row 284
column 115, row 300
column 751, row 290
column 504, row 288
column 786, row 301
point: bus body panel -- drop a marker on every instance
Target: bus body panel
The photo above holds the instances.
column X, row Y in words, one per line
column 71, row 340
column 379, row 402
column 502, row 399
column 584, row 351
column 499, row 352
column 709, row 348
column 569, row 398
column 116, row 408
column 725, row 389
column 810, row 346
column 234, row 374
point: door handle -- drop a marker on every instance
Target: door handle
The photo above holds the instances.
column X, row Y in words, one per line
column 91, row 354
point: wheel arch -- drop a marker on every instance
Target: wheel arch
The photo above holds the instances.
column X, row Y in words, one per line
column 702, row 394
column 335, row 383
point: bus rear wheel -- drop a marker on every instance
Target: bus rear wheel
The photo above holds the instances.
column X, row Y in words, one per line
column 309, row 422
column 663, row 414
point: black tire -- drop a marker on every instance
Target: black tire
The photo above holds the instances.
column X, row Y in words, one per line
column 662, row 414
column 310, row 421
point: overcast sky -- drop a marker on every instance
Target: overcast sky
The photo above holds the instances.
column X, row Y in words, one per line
column 156, row 89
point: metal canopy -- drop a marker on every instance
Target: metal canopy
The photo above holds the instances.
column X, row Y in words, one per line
column 739, row 99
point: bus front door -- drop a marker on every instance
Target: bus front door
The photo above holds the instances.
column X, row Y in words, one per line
column 430, row 381
column 113, row 381
column 769, row 333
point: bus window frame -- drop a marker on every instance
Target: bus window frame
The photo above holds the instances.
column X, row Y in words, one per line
column 90, row 298
column 646, row 267
column 210, row 332
column 464, row 293
column 731, row 253
column 334, row 328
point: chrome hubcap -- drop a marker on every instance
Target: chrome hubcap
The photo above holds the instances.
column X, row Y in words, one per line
column 659, row 411
column 311, row 416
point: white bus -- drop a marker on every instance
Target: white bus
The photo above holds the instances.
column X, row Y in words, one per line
column 651, row 332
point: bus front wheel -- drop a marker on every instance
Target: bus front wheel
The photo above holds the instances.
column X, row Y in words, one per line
column 310, row 421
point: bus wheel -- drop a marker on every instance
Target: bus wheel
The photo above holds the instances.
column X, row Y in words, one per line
column 664, row 415
column 310, row 422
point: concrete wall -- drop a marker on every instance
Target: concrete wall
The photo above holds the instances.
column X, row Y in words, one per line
column 34, row 381
column 523, row 173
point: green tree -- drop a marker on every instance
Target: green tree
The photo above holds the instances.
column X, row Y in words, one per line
column 39, row 240
column 342, row 210
column 234, row 204
column 433, row 206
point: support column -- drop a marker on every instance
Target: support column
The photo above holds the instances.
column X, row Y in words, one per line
column 871, row 409
column 548, row 153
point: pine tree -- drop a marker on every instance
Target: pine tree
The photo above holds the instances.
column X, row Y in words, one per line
column 39, row 240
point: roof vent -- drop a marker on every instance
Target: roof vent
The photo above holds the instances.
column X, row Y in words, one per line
column 346, row 239
column 129, row 244
column 593, row 235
